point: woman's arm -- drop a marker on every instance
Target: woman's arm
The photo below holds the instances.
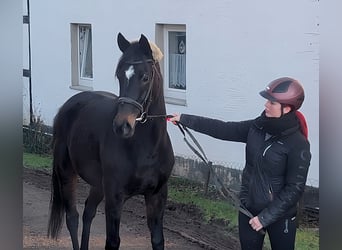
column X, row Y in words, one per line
column 230, row 131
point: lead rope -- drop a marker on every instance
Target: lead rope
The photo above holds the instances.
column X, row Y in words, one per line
column 144, row 117
column 225, row 192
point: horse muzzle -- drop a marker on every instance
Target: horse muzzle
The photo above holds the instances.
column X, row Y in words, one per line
column 125, row 119
column 129, row 112
column 124, row 125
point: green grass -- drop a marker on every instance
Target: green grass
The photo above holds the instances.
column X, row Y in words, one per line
column 188, row 192
column 307, row 239
column 35, row 161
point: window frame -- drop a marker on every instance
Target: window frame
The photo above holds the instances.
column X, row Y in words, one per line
column 172, row 95
column 77, row 81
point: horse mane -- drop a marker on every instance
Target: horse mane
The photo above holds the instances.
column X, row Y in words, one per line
column 157, row 55
column 156, row 52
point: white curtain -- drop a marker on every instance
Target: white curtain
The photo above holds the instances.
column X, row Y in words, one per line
column 85, row 52
column 177, row 71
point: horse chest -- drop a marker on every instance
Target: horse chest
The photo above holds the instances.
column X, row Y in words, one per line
column 141, row 161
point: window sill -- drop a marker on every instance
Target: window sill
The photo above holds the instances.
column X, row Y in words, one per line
column 175, row 101
column 81, row 88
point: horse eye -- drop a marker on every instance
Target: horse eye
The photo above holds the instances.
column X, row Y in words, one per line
column 145, row 78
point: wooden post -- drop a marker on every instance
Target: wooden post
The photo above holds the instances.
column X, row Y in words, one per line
column 208, row 179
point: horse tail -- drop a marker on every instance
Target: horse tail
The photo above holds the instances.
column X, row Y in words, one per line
column 57, row 205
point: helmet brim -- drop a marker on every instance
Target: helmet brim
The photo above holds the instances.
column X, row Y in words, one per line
column 267, row 96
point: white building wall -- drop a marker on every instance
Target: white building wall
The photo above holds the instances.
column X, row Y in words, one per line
column 234, row 48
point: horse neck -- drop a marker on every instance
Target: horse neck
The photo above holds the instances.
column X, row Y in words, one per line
column 157, row 105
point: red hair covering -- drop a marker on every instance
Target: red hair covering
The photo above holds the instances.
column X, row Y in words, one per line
column 303, row 124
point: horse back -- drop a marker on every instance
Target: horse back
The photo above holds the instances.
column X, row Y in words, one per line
column 72, row 108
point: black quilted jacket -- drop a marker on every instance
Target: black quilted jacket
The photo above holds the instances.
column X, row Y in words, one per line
column 275, row 173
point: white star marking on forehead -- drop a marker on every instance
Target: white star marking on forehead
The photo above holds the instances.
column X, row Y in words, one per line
column 129, row 72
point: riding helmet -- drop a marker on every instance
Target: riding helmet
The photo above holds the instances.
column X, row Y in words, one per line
column 285, row 90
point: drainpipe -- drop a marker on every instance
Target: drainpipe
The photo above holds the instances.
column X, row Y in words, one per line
column 27, row 72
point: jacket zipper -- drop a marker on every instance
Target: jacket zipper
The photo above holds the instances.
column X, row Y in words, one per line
column 270, row 190
column 286, row 230
column 263, row 154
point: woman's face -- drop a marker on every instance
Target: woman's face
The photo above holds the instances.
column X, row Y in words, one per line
column 272, row 109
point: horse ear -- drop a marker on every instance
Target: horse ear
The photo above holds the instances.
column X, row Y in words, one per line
column 123, row 43
column 145, row 46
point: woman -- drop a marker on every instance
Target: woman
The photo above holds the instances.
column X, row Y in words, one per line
column 277, row 161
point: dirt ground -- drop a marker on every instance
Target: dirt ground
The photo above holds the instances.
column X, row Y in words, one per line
column 184, row 227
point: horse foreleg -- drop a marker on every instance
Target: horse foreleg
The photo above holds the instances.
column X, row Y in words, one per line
column 113, row 214
column 155, row 206
column 93, row 200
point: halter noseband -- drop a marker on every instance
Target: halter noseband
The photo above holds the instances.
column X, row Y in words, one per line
column 148, row 97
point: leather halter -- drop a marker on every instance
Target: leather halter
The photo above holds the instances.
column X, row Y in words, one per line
column 148, row 98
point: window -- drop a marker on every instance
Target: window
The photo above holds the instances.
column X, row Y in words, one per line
column 172, row 39
column 81, row 57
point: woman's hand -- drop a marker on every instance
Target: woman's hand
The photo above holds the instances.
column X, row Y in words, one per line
column 175, row 119
column 255, row 223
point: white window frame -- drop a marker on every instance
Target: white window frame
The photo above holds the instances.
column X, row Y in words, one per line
column 172, row 95
column 77, row 81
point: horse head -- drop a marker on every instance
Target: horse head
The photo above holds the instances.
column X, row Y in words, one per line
column 136, row 72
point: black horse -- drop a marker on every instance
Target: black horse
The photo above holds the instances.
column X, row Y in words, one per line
column 119, row 145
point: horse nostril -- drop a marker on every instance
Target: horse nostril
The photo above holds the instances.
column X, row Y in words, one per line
column 126, row 129
column 123, row 130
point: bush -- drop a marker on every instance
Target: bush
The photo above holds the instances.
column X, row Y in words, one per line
column 37, row 137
